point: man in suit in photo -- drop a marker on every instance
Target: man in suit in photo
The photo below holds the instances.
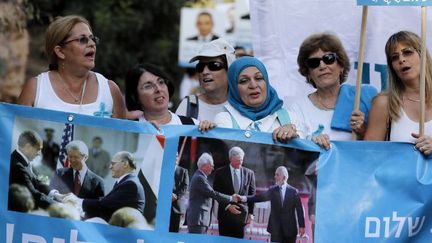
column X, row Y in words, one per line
column 21, row 172
column 50, row 150
column 127, row 190
column 286, row 209
column 179, row 203
column 204, row 24
column 235, row 179
column 99, row 159
column 78, row 179
column 201, row 195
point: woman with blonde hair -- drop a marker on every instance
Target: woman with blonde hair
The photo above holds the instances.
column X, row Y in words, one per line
column 395, row 114
column 69, row 84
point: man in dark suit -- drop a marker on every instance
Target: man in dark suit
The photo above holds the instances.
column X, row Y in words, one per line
column 201, row 196
column 78, row 179
column 50, row 150
column 285, row 204
column 230, row 179
column 179, row 204
column 29, row 147
column 204, row 24
column 99, row 159
column 127, row 191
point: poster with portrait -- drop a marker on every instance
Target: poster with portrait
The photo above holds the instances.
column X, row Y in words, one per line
column 198, row 26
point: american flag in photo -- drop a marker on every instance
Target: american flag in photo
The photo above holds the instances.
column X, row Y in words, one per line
column 68, row 134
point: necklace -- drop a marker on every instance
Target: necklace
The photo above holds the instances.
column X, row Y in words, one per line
column 79, row 97
column 327, row 108
column 411, row 99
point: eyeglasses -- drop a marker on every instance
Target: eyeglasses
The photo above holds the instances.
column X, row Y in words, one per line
column 212, row 66
column 83, row 40
column 315, row 61
column 150, row 86
column 407, row 52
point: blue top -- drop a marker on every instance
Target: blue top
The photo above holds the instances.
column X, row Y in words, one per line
column 345, row 105
column 272, row 102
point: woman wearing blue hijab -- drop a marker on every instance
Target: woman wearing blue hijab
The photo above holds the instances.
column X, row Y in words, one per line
column 254, row 103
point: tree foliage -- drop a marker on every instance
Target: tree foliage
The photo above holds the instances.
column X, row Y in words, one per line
column 131, row 31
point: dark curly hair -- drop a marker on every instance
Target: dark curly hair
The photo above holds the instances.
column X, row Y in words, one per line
column 132, row 80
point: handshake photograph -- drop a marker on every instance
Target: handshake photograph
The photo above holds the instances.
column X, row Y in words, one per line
column 244, row 190
column 81, row 173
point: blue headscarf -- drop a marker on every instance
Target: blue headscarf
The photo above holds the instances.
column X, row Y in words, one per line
column 272, row 102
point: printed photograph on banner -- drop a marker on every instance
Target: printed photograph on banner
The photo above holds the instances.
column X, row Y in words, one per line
column 85, row 173
column 230, row 188
column 198, row 26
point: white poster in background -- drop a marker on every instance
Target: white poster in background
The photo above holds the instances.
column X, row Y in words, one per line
column 243, row 30
column 190, row 41
column 279, row 27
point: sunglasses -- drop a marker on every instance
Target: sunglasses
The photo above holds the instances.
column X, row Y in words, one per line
column 315, row 61
column 212, row 66
column 407, row 52
column 83, row 40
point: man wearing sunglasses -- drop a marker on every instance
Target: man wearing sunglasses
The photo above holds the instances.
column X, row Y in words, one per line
column 213, row 59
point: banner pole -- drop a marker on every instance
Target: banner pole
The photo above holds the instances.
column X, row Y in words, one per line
column 360, row 63
column 423, row 71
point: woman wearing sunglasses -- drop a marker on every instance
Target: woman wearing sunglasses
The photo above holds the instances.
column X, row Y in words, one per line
column 324, row 62
column 254, row 104
column 70, row 85
column 395, row 114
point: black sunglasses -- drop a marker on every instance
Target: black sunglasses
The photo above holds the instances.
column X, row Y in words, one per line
column 212, row 66
column 83, row 40
column 315, row 61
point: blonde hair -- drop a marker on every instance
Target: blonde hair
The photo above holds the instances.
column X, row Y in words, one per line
column 396, row 86
column 58, row 31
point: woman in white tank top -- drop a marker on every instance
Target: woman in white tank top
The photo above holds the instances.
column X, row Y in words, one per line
column 70, row 85
column 395, row 114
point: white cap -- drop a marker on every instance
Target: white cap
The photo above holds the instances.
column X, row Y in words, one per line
column 216, row 48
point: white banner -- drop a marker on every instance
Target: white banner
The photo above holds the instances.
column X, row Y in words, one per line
column 279, row 28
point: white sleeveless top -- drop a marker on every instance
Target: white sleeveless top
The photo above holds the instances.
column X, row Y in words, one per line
column 402, row 128
column 47, row 98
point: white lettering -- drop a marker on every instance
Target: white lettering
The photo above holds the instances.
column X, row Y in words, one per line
column 411, row 226
column 368, row 233
column 373, row 226
column 58, row 240
column 9, row 232
column 29, row 238
column 400, row 225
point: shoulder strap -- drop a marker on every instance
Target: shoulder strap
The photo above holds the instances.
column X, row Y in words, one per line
column 186, row 120
column 235, row 125
column 388, row 130
column 283, row 116
column 192, row 106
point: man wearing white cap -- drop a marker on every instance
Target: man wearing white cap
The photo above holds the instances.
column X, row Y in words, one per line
column 213, row 59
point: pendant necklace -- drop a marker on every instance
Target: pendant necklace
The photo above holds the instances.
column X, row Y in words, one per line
column 77, row 98
column 411, row 99
column 327, row 108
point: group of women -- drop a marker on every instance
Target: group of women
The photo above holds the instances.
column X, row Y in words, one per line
column 253, row 104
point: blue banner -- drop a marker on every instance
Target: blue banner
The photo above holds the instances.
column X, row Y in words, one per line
column 356, row 191
column 395, row 2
